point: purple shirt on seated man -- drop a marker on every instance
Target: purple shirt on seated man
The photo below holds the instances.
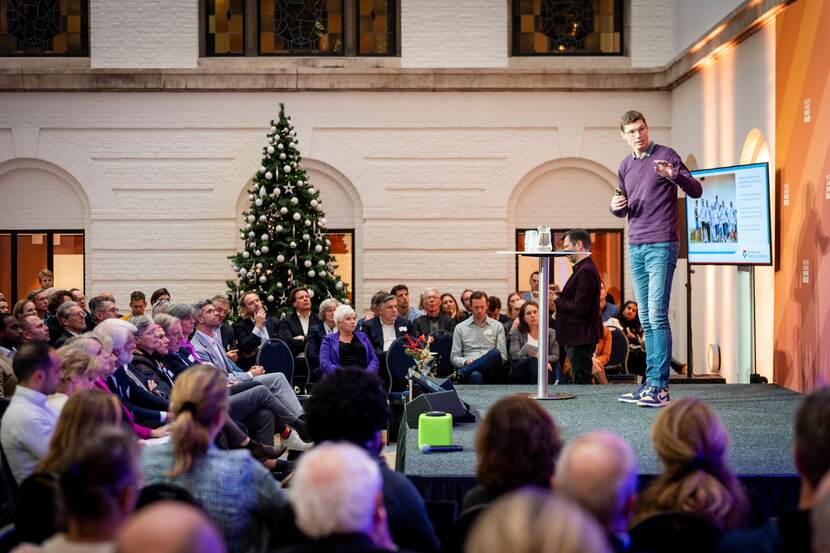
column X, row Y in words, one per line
column 347, row 347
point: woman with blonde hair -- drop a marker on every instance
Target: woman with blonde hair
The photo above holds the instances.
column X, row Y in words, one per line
column 237, row 492
column 78, row 372
column 532, row 520
column 692, row 444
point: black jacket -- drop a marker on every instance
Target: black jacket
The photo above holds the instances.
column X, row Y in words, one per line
column 578, row 319
column 290, row 327
column 421, row 324
column 374, row 331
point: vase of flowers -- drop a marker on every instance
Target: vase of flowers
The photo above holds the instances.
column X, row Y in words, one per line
column 418, row 350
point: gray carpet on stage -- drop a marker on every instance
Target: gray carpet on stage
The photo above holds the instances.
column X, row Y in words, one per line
column 759, row 418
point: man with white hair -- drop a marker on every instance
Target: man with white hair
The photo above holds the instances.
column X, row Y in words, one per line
column 433, row 318
column 337, row 500
column 72, row 319
column 598, row 471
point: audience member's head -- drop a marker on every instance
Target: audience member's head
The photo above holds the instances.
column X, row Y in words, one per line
column 83, row 415
column 514, row 303
column 138, row 302
column 478, row 306
column 493, row 307
column 401, row 293
column 78, row 296
column 431, row 301
column 205, row 316
column 98, row 346
column 337, row 490
column 533, row 281
column 517, row 444
column 4, row 307
column 535, row 521
column 222, row 305
column 692, row 443
column 172, row 328
column 37, row 367
column 99, row 485
column 345, row 319
column 46, row 278
column 78, row 370
column 465, row 298
column 149, row 336
column 159, row 295
column 33, row 329
column 449, row 305
column 185, row 313
column 249, row 304
column 598, row 470
column 72, row 317
column 528, row 316
column 388, row 309
column 326, row 310
column 57, row 297
column 300, row 300
column 812, row 442
column 10, row 331
column 348, row 405
column 169, row 527
column 24, row 308
column 103, row 308
column 41, row 301
column 377, row 300
column 200, row 402
column 122, row 335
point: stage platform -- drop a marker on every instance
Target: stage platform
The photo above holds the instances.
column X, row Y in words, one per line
column 759, row 418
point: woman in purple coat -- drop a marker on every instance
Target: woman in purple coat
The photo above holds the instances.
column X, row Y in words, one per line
column 346, row 347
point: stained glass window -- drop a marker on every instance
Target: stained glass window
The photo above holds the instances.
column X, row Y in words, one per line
column 376, row 26
column 44, row 27
column 301, row 27
column 225, row 27
column 562, row 27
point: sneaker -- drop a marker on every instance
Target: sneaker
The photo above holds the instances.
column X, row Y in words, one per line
column 295, row 443
column 656, row 397
column 634, row 397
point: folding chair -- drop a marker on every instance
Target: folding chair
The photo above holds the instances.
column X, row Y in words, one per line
column 616, row 370
column 275, row 357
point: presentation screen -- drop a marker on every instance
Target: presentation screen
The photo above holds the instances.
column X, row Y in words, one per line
column 730, row 223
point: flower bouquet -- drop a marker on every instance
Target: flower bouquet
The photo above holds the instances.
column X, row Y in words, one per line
column 418, row 350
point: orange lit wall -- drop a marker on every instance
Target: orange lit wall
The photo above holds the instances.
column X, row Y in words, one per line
column 802, row 161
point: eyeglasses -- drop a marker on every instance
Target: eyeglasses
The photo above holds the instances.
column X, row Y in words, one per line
column 638, row 130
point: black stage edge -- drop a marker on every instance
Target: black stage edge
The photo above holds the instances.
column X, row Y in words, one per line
column 759, row 418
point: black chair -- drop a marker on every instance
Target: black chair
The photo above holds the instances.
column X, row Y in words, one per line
column 442, row 346
column 165, row 492
column 399, row 364
column 616, row 370
column 675, row 532
column 275, row 357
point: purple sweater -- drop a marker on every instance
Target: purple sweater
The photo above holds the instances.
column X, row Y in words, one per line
column 652, row 199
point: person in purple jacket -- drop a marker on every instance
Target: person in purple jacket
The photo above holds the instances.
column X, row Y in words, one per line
column 347, row 347
column 647, row 195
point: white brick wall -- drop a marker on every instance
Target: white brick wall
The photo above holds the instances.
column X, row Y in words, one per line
column 461, row 33
column 650, row 33
column 144, row 33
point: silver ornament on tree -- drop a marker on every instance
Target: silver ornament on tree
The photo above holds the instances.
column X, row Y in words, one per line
column 261, row 168
column 282, row 155
column 292, row 244
column 318, row 248
column 264, row 249
column 257, row 253
column 283, row 210
column 307, row 263
column 270, row 298
column 295, row 200
column 307, row 223
column 258, row 202
column 262, row 218
column 286, row 168
column 311, row 273
column 280, row 258
column 270, row 149
column 296, row 217
column 269, row 175
column 262, row 279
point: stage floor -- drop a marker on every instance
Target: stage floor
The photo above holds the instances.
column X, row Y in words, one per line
column 759, row 418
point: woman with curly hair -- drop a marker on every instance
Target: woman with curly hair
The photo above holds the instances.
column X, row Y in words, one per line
column 692, row 444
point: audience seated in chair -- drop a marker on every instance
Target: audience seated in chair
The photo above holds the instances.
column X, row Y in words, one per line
column 98, row 489
column 79, row 370
column 792, row 531
column 184, row 312
column 450, row 307
column 85, row 413
column 253, row 329
column 336, row 497
column 691, row 442
column 524, row 347
column 28, row 422
column 103, row 308
column 384, row 329
column 225, row 333
column 479, row 345
column 601, row 356
column 72, row 322
column 238, row 493
column 630, row 323
column 150, row 348
column 517, row 445
column 293, row 329
column 316, row 334
column 598, row 471
column 33, row 329
column 347, row 347
column 169, row 527
column 433, row 319
column 532, row 520
column 405, row 310
column 351, row 406
column 10, row 333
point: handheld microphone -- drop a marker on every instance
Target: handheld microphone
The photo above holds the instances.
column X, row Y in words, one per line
column 440, row 448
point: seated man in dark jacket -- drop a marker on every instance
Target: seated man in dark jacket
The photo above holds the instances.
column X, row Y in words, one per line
column 253, row 329
column 433, row 318
column 385, row 329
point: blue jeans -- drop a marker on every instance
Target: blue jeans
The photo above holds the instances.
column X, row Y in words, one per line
column 483, row 370
column 652, row 270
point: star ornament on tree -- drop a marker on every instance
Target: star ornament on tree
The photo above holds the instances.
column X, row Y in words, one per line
column 288, row 187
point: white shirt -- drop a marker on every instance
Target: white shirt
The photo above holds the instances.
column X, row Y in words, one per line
column 7, row 353
column 261, row 332
column 304, row 322
column 531, row 341
column 389, row 335
column 56, row 401
column 28, row 425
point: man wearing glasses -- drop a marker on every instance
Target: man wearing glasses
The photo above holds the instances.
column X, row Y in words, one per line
column 72, row 318
column 647, row 195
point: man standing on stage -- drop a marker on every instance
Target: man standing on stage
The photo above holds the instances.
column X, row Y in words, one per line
column 578, row 320
column 648, row 197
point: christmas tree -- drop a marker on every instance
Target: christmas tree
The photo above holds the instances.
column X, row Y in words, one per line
column 283, row 230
